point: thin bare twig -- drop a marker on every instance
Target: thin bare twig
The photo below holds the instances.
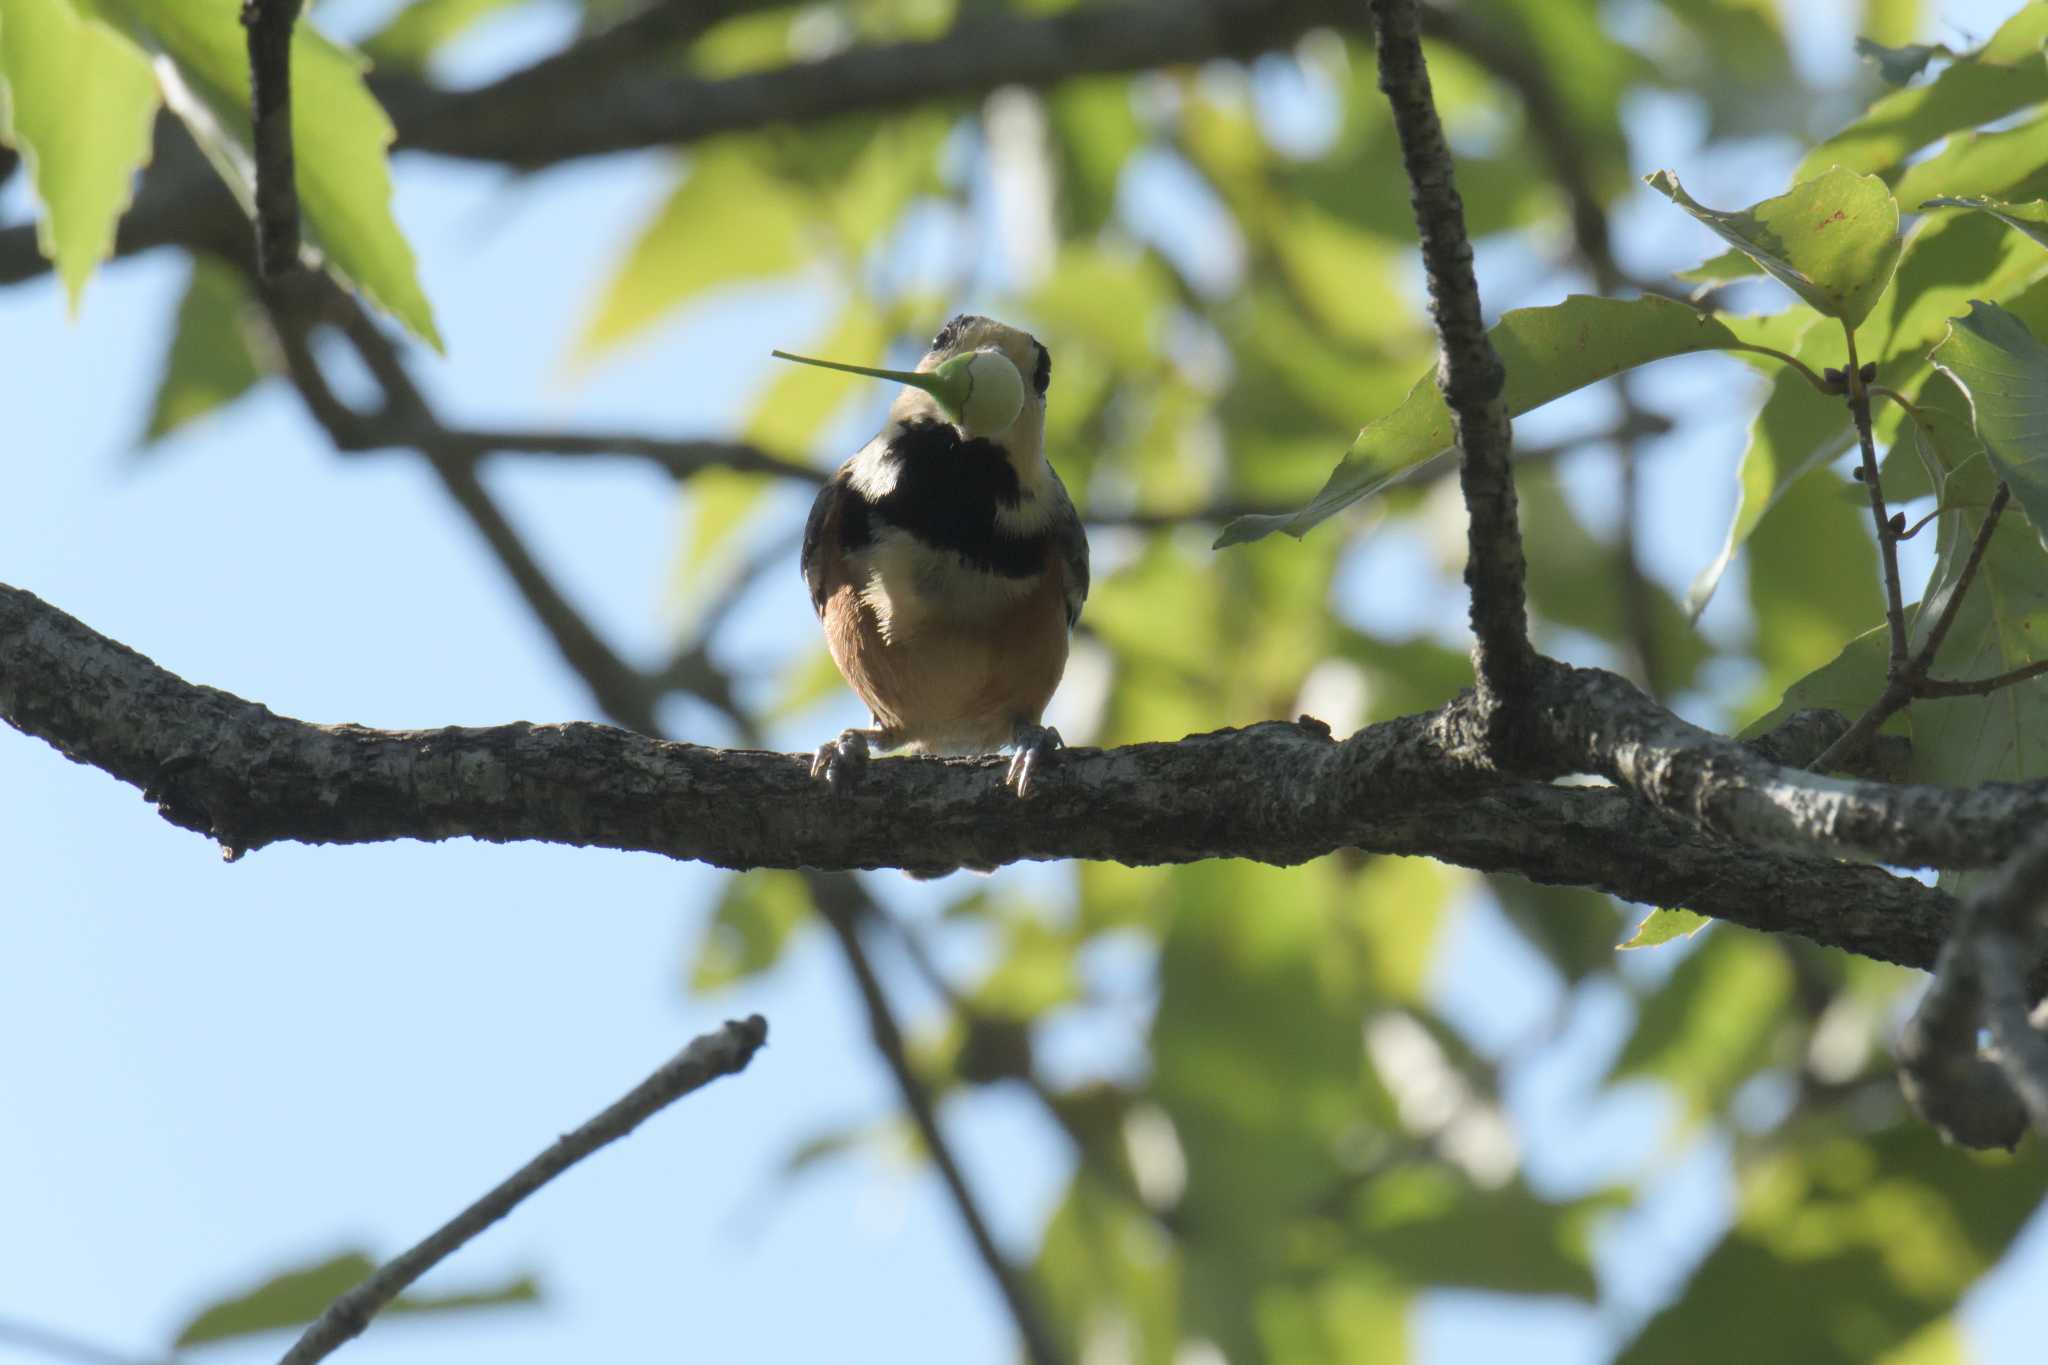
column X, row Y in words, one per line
column 269, row 24
column 1923, row 660
column 1038, row 1341
column 1980, row 687
column 1907, row 680
column 723, row 1052
column 1471, row 377
column 1888, row 550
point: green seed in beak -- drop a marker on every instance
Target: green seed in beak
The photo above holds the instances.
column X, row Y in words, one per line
column 981, row 390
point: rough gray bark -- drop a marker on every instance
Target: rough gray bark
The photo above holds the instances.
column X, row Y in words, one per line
column 1470, row 375
column 1278, row 793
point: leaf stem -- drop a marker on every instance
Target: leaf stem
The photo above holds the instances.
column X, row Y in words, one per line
column 1910, row 680
column 1887, row 540
column 1820, row 385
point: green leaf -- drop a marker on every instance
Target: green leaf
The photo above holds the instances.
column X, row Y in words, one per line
column 1847, row 683
column 2003, row 370
column 1574, row 927
column 2004, row 75
column 296, row 1297
column 2004, row 161
column 1395, row 912
column 900, row 161
column 1711, row 1024
column 719, row 503
column 422, row 28
column 209, row 363
column 77, row 100
column 1548, row 352
column 1662, row 926
column 1813, row 577
column 1105, row 1261
column 1846, row 1248
column 726, row 221
column 1941, row 1342
column 1110, row 300
column 1237, row 991
column 1729, row 265
column 1832, row 240
column 1899, row 65
column 1797, row 430
column 2001, row 623
column 2032, row 219
column 340, row 140
column 745, row 936
column 1094, row 131
column 1433, row 1227
column 1948, row 260
column 1037, row 969
column 1573, row 581
column 1354, row 1311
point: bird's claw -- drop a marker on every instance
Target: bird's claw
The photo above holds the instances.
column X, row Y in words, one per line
column 1034, row 743
column 839, row 761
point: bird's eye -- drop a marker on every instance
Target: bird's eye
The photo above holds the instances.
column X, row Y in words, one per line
column 1042, row 376
column 949, row 333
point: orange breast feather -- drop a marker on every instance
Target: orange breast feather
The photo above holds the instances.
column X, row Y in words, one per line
column 945, row 687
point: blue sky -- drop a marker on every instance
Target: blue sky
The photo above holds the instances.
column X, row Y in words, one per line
column 220, row 1069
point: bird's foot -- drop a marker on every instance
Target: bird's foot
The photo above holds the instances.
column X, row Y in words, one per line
column 840, row 761
column 1034, row 744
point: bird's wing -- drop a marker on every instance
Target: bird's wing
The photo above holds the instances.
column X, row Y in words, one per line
column 1071, row 541
column 821, row 539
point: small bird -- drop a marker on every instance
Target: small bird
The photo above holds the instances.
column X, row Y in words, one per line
column 946, row 561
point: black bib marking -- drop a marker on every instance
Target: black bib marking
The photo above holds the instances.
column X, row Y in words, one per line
column 946, row 494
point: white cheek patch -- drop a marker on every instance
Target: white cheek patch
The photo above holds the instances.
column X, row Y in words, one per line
column 873, row 474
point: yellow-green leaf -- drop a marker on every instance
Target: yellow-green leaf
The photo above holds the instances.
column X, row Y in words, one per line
column 1833, row 240
column 2003, row 369
column 341, row 139
column 295, row 1297
column 2031, row 219
column 726, row 221
column 77, row 100
column 209, row 362
column 420, row 29
column 745, row 936
column 2006, row 74
column 1662, row 926
column 1548, row 353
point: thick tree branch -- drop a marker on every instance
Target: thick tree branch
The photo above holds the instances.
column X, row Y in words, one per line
column 985, row 50
column 724, row 1052
column 1586, row 720
column 1278, row 793
column 1470, row 375
column 577, row 103
column 1978, row 1096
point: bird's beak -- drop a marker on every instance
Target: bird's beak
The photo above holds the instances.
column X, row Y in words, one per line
column 980, row 390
